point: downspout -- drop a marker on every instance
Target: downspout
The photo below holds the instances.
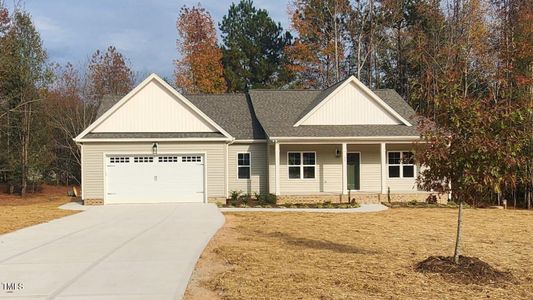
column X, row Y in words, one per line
column 226, row 167
column 80, row 145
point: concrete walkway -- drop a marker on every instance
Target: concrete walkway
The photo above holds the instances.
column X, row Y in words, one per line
column 108, row 252
column 363, row 208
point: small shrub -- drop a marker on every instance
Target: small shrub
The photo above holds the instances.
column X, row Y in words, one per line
column 267, row 199
column 245, row 198
column 234, row 197
column 412, row 203
column 328, row 204
column 257, row 197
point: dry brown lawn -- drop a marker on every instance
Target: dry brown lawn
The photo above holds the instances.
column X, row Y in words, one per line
column 17, row 212
column 361, row 256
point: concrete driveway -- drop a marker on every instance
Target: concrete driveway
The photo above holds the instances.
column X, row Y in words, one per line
column 108, row 252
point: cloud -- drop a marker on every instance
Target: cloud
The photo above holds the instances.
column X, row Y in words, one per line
column 144, row 31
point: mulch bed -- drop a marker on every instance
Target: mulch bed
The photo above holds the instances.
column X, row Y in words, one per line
column 294, row 205
column 470, row 270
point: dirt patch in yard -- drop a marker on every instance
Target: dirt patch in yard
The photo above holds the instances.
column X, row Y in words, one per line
column 361, row 256
column 470, row 270
column 212, row 264
column 18, row 212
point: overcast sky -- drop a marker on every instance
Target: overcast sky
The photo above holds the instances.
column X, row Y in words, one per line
column 143, row 30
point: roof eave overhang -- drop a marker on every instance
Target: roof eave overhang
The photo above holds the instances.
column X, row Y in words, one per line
column 129, row 140
column 348, row 139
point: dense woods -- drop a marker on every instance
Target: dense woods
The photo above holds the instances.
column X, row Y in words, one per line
column 466, row 66
column 43, row 106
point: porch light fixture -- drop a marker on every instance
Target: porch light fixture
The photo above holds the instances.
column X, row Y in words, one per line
column 337, row 153
column 154, row 148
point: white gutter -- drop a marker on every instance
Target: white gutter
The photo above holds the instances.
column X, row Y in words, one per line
column 258, row 141
column 346, row 138
column 155, row 139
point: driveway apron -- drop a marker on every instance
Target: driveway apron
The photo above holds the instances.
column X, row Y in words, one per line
column 108, row 252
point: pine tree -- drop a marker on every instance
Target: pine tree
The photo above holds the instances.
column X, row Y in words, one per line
column 253, row 48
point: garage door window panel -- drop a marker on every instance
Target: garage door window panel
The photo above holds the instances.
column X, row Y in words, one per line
column 191, row 159
column 168, row 159
column 119, row 160
column 143, row 159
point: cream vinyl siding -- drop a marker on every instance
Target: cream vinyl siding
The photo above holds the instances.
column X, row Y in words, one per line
column 328, row 176
column 258, row 181
column 328, row 171
column 401, row 184
column 351, row 106
column 154, row 109
column 370, row 167
column 93, row 163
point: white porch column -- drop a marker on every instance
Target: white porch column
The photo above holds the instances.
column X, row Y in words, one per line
column 344, row 169
column 276, row 158
column 383, row 168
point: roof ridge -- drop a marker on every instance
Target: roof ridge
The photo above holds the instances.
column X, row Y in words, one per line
column 285, row 90
column 214, row 95
column 337, row 82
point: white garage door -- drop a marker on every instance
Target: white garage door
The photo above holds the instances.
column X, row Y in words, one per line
column 154, row 178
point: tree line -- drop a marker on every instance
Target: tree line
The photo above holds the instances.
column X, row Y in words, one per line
column 43, row 105
column 464, row 65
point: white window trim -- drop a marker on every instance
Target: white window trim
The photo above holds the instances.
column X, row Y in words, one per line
column 247, row 166
column 301, row 165
column 401, row 164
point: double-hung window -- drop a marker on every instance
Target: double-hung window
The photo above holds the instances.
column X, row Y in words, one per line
column 243, row 165
column 301, row 165
column 401, row 164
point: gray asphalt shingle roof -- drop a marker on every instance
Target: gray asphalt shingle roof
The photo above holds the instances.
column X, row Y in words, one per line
column 107, row 102
column 278, row 111
column 273, row 113
column 233, row 112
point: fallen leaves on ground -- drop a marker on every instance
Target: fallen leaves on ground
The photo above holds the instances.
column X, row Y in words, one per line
column 362, row 256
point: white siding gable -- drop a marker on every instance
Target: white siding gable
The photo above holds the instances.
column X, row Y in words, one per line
column 350, row 105
column 154, row 109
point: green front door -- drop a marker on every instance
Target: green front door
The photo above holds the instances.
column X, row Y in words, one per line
column 354, row 173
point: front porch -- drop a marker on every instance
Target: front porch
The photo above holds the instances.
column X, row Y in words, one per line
column 332, row 171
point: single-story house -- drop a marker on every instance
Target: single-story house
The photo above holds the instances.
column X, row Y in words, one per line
column 157, row 145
